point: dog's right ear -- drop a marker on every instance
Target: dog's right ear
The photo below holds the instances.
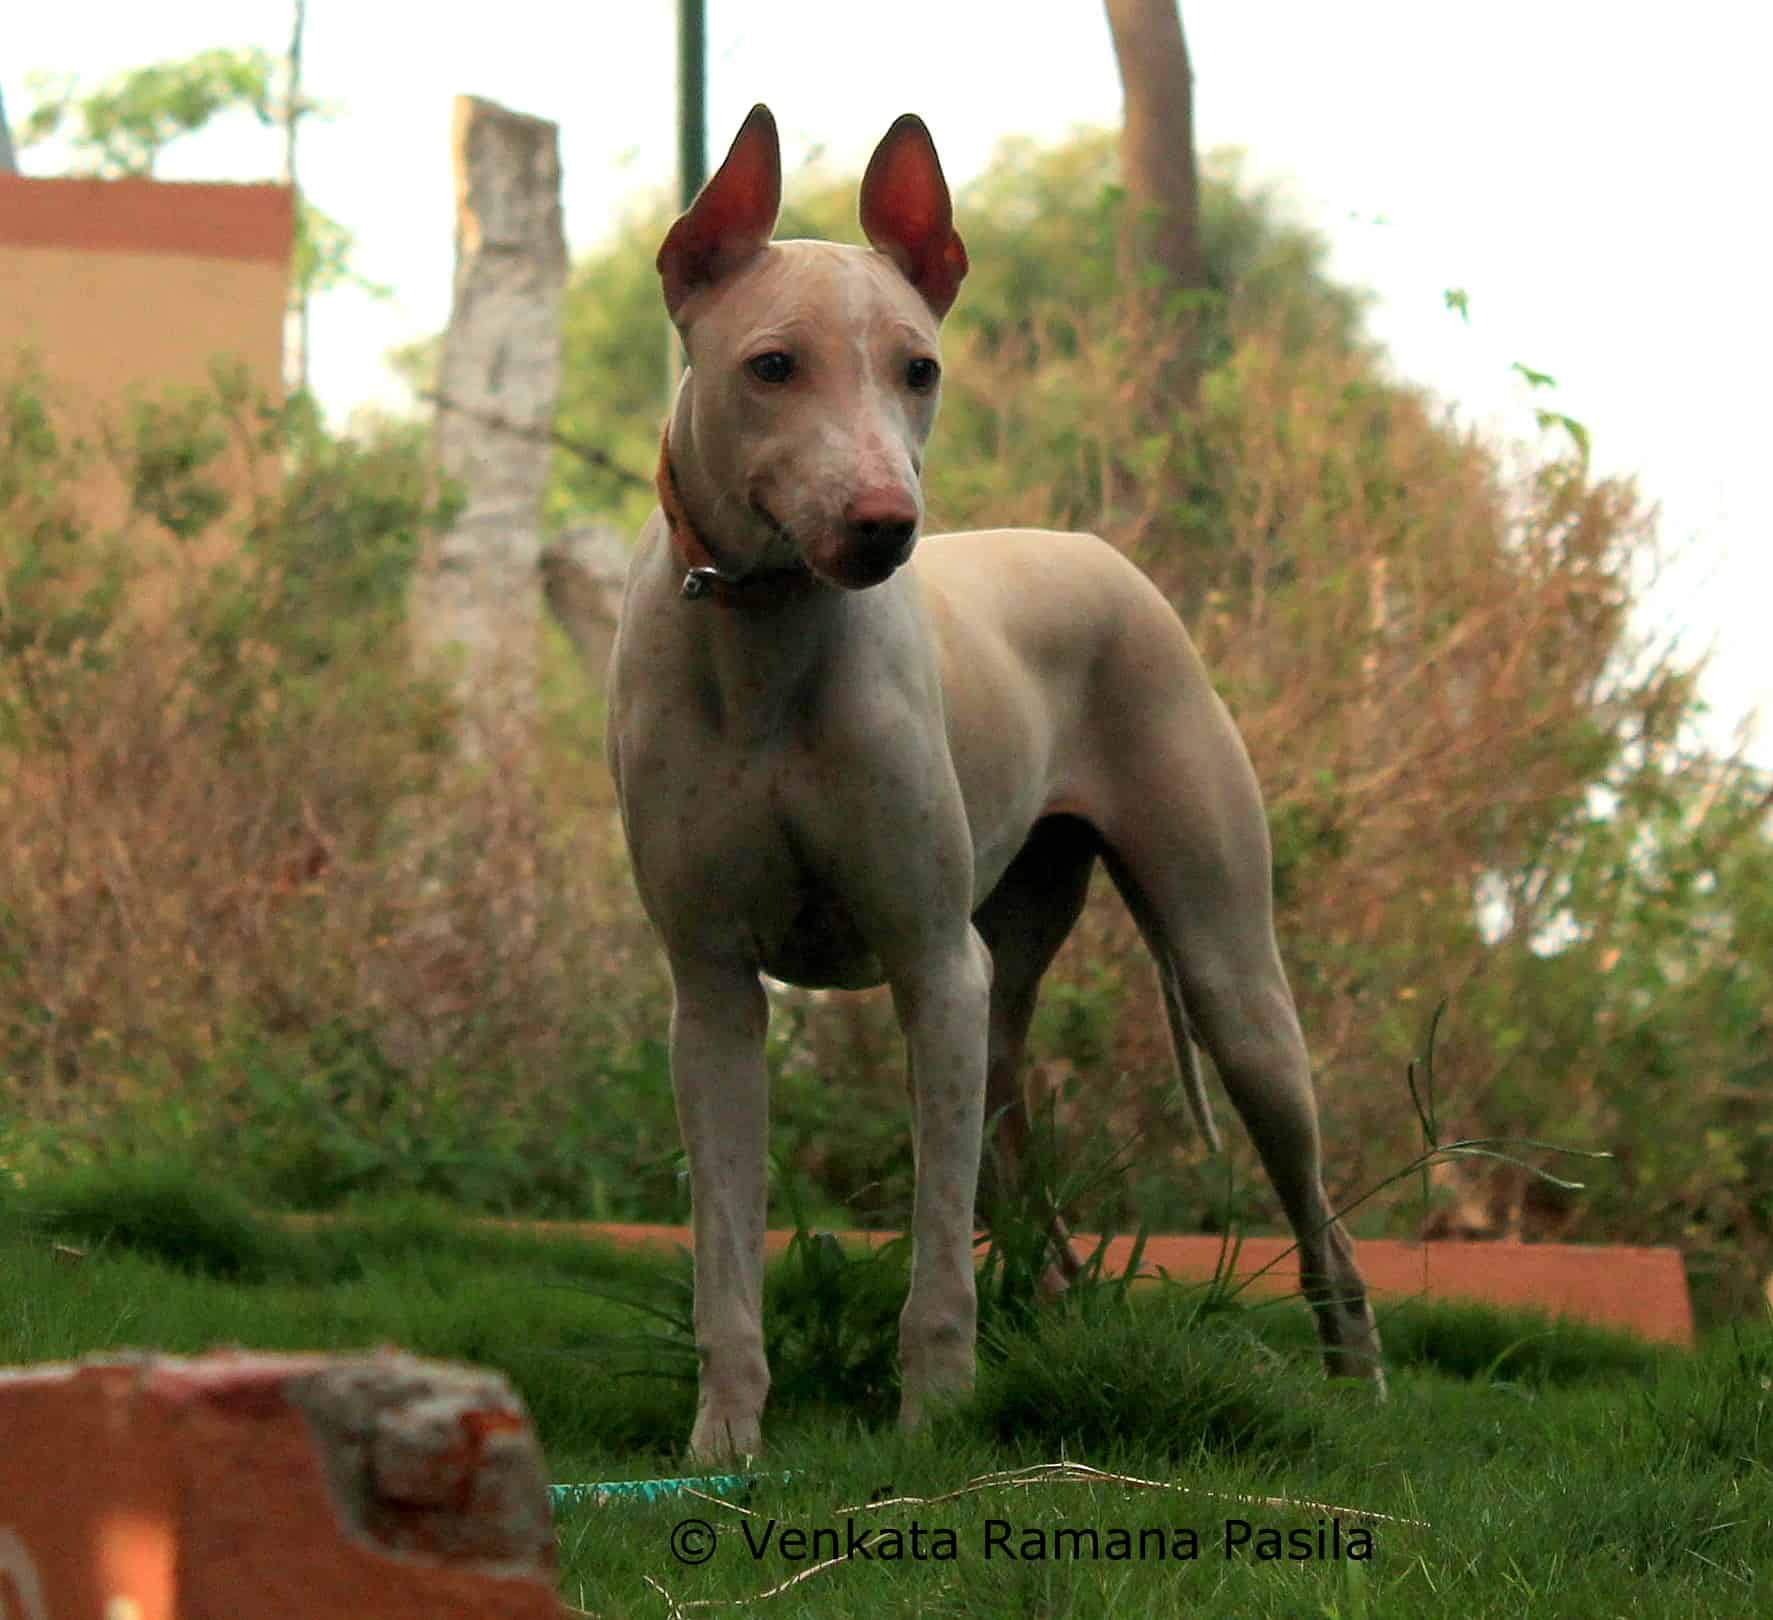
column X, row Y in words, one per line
column 732, row 216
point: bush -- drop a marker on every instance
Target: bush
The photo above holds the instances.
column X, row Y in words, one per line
column 1103, row 1378
column 220, row 923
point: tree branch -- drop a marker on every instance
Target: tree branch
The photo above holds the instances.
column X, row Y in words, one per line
column 590, row 454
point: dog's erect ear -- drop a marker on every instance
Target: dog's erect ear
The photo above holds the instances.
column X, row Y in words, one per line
column 906, row 213
column 732, row 216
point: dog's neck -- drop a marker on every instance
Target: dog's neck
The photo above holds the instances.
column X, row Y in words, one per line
column 705, row 575
column 766, row 637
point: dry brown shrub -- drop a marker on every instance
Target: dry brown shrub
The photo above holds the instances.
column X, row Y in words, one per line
column 1426, row 648
column 229, row 816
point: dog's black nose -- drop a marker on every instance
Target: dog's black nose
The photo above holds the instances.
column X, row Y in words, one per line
column 883, row 536
column 882, row 525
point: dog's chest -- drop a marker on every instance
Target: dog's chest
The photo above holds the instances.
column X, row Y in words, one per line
column 796, row 920
column 732, row 860
column 820, row 946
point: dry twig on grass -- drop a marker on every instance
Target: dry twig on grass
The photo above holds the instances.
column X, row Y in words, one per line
column 1070, row 1473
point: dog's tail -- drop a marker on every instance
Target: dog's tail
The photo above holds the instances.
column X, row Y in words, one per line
column 1187, row 1056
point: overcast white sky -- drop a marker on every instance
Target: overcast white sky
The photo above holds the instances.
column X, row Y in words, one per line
column 1586, row 172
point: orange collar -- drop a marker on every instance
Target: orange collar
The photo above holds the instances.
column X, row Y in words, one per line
column 702, row 573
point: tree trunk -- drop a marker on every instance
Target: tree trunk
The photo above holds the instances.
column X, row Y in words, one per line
column 1162, row 226
column 478, row 597
column 471, row 854
column 8, row 160
column 583, row 573
column 295, row 369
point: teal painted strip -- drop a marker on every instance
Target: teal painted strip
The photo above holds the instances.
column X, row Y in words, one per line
column 650, row 1490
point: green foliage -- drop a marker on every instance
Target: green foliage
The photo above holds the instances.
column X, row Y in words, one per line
column 345, row 541
column 848, row 1161
column 1647, row 932
column 326, row 1122
column 342, row 1126
column 830, row 1326
column 1725, row 1417
column 173, row 449
column 123, row 126
column 321, row 258
column 1163, row 1382
column 1080, row 1179
column 1306, row 838
column 162, row 1209
column 1485, row 1345
column 58, row 585
column 1042, row 227
column 1075, row 1020
column 831, row 1321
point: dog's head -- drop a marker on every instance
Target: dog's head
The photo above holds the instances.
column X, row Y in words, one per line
column 814, row 367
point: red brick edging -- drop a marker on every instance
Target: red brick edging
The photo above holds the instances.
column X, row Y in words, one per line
column 305, row 1487
column 1632, row 1290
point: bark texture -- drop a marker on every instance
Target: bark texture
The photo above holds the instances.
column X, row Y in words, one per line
column 1162, row 229
column 478, row 599
column 582, row 576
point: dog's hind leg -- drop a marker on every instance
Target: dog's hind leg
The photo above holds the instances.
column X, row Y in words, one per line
column 1024, row 922
column 1187, row 845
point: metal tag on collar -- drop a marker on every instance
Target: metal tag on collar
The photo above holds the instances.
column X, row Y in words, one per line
column 700, row 582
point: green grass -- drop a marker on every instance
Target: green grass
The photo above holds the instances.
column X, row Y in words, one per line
column 1557, row 1471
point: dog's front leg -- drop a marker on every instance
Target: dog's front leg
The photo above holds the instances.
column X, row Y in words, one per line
column 718, row 1022
column 944, row 1007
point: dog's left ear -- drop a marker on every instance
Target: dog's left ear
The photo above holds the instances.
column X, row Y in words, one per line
column 907, row 215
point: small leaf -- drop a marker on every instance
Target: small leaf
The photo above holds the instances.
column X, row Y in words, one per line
column 1578, row 433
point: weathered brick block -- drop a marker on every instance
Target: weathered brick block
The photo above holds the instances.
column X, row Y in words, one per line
column 235, row 1486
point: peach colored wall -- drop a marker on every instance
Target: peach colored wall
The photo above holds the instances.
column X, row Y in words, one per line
column 120, row 282
column 114, row 286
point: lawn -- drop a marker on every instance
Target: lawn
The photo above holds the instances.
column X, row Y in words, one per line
column 1519, row 1467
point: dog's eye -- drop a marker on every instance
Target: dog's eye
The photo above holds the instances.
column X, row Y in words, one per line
column 921, row 374
column 774, row 367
